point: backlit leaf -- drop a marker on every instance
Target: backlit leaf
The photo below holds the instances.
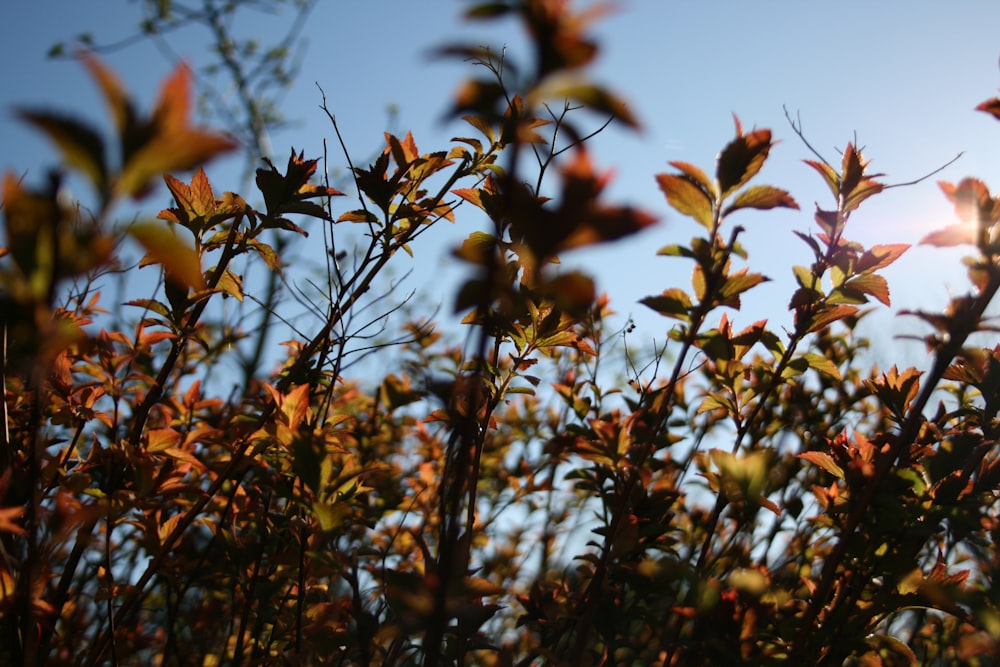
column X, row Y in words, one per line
column 169, row 142
column 829, row 175
column 880, row 256
column 685, row 196
column 871, row 284
column 740, row 282
column 80, row 145
column 699, row 177
column 762, row 197
column 742, row 159
column 595, row 98
column 824, row 461
column 829, row 315
column 673, row 302
column 991, row 107
column 119, row 104
column 181, row 263
column 951, row 235
column 823, row 365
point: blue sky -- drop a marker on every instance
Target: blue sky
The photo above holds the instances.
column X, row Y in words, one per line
column 903, row 76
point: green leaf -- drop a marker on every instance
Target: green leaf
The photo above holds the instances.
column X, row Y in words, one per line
column 477, row 248
column 687, row 197
column 699, row 177
column 740, row 282
column 805, row 277
column 822, row 365
column 763, row 197
column 231, row 284
column 358, row 215
column 716, row 401
column 673, row 302
column 488, row 10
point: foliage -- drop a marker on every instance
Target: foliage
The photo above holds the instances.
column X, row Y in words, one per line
column 756, row 496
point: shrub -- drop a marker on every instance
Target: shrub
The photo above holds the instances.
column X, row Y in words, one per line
column 754, row 496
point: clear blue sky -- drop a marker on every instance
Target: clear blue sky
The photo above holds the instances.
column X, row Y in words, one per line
column 903, row 75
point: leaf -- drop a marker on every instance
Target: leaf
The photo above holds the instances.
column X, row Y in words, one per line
column 288, row 192
column 181, row 263
column 80, row 145
column 880, row 256
column 162, row 439
column 739, row 282
column 742, row 159
column 168, row 142
column 823, row 365
column 829, row 175
column 116, row 97
column 295, row 406
column 763, row 197
column 687, row 197
column 824, row 461
column 231, row 284
column 488, row 10
column 871, row 284
column 972, row 201
column 477, row 248
column 991, row 106
column 852, row 170
column 673, row 302
column 8, row 522
column 696, row 175
column 595, row 98
column 403, row 152
column 951, row 235
column 358, row 215
column 828, row 316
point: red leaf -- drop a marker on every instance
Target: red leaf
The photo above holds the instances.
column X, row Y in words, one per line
column 951, row 235
column 991, row 107
column 880, row 256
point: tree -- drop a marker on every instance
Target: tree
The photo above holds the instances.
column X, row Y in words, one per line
column 435, row 514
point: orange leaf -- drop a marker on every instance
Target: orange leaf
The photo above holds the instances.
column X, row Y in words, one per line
column 169, row 142
column 8, row 520
column 824, row 461
column 161, row 439
column 114, row 94
column 295, row 405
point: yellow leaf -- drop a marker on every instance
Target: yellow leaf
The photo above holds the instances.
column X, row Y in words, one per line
column 181, row 263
